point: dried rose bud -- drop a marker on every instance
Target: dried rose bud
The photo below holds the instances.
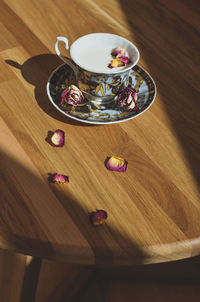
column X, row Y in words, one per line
column 72, row 95
column 118, row 51
column 115, row 163
column 58, row 138
column 58, row 178
column 124, row 59
column 116, row 63
column 98, row 217
column 127, row 98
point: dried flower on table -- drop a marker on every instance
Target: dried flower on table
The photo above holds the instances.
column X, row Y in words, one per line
column 58, row 178
column 115, row 163
column 58, row 138
column 98, row 217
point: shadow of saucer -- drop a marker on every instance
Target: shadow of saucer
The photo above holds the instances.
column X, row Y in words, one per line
column 36, row 71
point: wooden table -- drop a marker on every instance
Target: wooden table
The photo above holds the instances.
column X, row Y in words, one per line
column 153, row 209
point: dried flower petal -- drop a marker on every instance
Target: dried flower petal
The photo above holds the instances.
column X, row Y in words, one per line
column 116, row 63
column 72, row 95
column 121, row 58
column 98, row 217
column 58, row 138
column 128, row 98
column 124, row 59
column 118, row 51
column 58, row 178
column 115, row 163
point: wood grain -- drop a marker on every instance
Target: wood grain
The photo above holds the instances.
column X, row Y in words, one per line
column 12, row 268
column 153, row 208
column 25, row 278
column 29, row 231
column 61, row 282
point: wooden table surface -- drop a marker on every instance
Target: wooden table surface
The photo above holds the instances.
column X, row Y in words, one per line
column 153, row 209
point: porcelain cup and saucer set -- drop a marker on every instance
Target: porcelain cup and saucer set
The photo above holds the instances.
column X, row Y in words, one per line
column 100, row 85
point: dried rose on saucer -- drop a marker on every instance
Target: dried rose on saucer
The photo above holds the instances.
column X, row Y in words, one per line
column 58, row 138
column 58, row 178
column 115, row 163
column 128, row 98
column 98, row 217
column 72, row 95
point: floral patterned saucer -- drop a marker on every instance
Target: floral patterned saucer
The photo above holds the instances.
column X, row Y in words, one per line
column 92, row 113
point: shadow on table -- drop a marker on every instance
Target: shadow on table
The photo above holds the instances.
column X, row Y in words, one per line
column 162, row 38
column 36, row 71
column 21, row 232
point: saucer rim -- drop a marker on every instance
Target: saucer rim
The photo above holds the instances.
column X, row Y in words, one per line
column 98, row 122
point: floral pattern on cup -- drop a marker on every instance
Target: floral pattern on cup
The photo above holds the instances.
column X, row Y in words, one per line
column 103, row 84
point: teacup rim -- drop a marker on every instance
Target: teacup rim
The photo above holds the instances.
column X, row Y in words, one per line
column 112, row 71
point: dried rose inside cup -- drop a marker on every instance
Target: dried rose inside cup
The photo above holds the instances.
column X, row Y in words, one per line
column 120, row 58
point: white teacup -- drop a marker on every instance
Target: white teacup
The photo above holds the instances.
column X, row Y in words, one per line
column 91, row 55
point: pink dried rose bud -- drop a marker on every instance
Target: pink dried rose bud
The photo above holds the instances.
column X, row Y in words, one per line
column 116, row 63
column 72, row 95
column 58, row 178
column 98, row 217
column 125, row 59
column 58, row 138
column 128, row 98
column 118, row 51
column 115, row 163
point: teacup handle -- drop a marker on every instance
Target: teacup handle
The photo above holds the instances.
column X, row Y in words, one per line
column 66, row 60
